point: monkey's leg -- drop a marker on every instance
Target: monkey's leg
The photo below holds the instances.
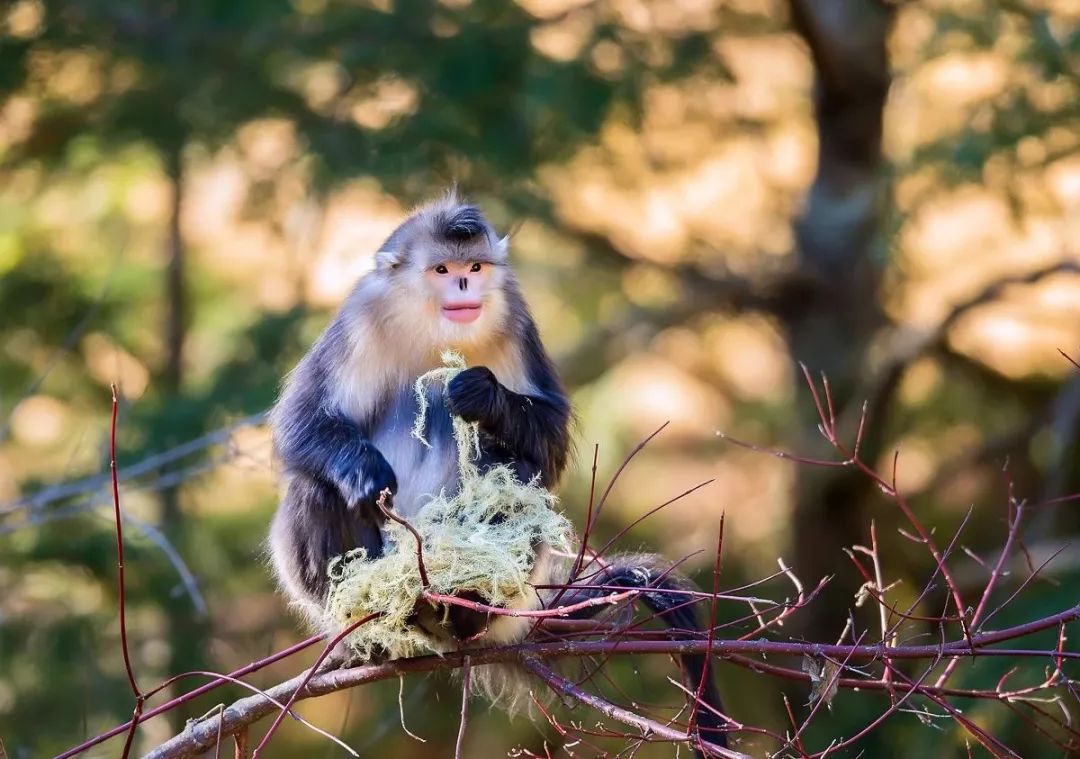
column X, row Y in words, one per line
column 677, row 611
column 313, row 525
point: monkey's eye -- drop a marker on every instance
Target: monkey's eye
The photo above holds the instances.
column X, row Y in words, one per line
column 475, row 268
column 440, row 269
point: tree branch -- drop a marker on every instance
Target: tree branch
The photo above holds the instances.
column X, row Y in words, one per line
column 201, row 736
column 887, row 380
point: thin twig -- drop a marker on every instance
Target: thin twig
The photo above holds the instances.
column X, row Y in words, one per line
column 706, row 671
column 389, row 514
column 186, row 697
column 466, row 674
column 119, row 525
column 307, row 678
column 647, row 726
column 140, row 699
column 556, row 611
column 401, row 711
column 259, row 691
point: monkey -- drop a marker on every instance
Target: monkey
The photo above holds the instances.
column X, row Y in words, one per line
column 342, row 424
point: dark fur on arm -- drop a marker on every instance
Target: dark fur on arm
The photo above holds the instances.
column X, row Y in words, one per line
column 332, row 448
column 533, row 429
column 677, row 611
column 336, row 475
column 323, row 443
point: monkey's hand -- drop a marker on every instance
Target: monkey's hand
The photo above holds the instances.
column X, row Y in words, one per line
column 475, row 395
column 362, row 476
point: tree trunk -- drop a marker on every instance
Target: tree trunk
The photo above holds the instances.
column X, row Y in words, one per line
column 186, row 631
column 831, row 319
column 175, row 292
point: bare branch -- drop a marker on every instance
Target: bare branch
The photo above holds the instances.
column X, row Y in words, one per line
column 647, row 726
column 200, row 736
column 466, row 673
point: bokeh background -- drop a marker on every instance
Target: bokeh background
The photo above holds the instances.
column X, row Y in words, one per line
column 701, row 193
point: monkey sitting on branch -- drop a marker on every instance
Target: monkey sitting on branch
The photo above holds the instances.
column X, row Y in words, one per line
column 343, row 430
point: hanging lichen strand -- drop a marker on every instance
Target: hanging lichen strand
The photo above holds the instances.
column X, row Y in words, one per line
column 465, row 548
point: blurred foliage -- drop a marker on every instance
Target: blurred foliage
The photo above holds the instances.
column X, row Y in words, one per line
column 650, row 156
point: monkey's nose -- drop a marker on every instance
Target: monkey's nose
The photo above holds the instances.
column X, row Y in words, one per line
column 463, row 283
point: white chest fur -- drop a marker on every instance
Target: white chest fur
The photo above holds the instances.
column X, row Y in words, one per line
column 382, row 402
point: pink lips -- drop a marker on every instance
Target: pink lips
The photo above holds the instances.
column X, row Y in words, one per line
column 462, row 313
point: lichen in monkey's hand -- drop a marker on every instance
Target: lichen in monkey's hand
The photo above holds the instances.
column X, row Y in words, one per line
column 465, row 547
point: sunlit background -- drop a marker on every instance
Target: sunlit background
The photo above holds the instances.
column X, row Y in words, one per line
column 188, row 189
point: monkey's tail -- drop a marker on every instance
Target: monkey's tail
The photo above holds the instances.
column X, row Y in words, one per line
column 678, row 610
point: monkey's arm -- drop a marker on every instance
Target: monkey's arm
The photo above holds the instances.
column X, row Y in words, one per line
column 534, row 427
column 327, row 445
column 336, row 475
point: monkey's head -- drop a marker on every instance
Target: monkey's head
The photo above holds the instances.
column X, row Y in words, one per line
column 445, row 270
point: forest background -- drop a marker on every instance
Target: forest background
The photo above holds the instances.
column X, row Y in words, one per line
column 702, row 193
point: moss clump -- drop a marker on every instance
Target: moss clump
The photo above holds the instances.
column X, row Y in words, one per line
column 482, row 539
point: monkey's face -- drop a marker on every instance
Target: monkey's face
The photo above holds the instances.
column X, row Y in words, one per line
column 460, row 290
column 445, row 276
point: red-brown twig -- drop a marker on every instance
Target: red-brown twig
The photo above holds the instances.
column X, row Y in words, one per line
column 796, row 736
column 1013, row 521
column 879, row 585
column 611, row 486
column 587, row 532
column 870, row 588
column 140, row 699
column 1035, row 573
column 830, row 685
column 622, row 631
column 236, row 718
column 787, row 608
column 1069, row 358
column 863, row 684
column 389, row 514
column 622, row 467
column 622, row 532
column 988, row 741
column 307, row 678
column 563, row 731
column 706, row 672
column 893, row 708
column 731, row 725
column 569, row 638
column 828, row 429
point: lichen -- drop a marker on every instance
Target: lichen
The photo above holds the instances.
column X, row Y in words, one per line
column 483, row 539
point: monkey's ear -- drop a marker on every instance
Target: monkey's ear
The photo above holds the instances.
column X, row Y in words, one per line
column 386, row 260
column 501, row 249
